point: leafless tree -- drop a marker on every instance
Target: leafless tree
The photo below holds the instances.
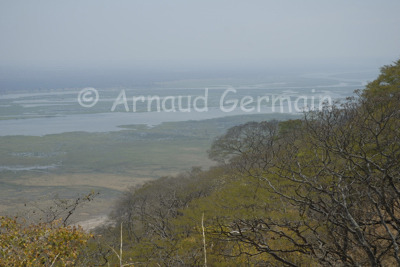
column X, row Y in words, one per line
column 341, row 173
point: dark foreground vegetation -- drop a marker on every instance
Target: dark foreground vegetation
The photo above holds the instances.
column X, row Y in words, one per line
column 320, row 191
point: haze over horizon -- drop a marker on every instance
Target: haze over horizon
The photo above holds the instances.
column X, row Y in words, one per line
column 71, row 38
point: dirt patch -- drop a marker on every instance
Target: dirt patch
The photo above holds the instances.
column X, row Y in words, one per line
column 91, row 224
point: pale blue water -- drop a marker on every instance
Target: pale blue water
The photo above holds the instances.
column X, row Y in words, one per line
column 56, row 111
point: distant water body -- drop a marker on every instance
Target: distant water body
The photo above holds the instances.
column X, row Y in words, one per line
column 57, row 111
column 101, row 122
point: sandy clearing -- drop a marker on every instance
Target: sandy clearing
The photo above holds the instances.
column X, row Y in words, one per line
column 91, row 224
column 111, row 181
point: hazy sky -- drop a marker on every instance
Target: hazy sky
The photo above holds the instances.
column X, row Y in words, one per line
column 119, row 32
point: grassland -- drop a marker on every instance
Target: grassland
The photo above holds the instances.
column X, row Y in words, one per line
column 108, row 163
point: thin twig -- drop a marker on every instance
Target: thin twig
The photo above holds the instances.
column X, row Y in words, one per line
column 204, row 241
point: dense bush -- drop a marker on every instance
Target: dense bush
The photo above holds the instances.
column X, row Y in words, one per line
column 43, row 244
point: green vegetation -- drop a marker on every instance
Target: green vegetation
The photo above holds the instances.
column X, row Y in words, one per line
column 108, row 163
column 323, row 190
column 320, row 191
